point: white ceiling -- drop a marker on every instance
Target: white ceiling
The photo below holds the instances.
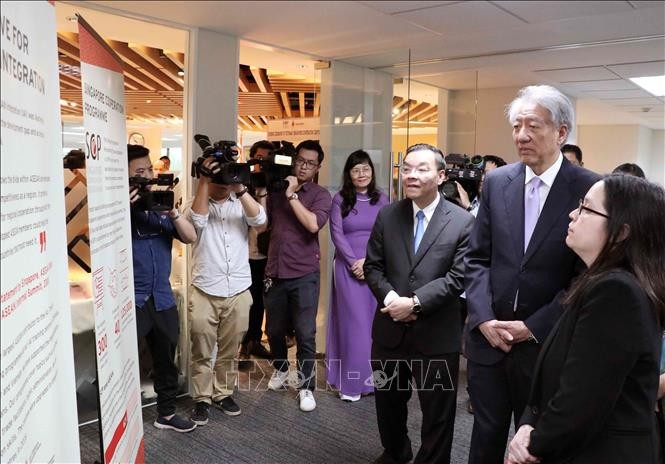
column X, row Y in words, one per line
column 587, row 48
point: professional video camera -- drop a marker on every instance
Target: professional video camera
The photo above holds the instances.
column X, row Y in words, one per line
column 467, row 171
column 275, row 168
column 154, row 200
column 226, row 153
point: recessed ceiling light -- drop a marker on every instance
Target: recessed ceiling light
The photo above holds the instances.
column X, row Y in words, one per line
column 302, row 66
column 181, row 73
column 655, row 85
column 148, row 101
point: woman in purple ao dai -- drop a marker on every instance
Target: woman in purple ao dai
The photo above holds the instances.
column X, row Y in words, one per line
column 352, row 306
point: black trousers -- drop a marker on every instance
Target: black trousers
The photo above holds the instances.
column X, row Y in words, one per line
column 397, row 372
column 161, row 330
column 254, row 332
column 294, row 301
column 498, row 392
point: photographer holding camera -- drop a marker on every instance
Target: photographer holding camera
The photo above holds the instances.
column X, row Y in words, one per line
column 291, row 286
column 220, row 298
column 156, row 312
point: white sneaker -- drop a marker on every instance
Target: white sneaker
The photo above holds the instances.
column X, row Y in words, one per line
column 278, row 379
column 307, row 401
column 350, row 398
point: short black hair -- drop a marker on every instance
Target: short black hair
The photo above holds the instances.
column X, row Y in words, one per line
column 75, row 159
column 569, row 147
column 630, row 169
column 136, row 152
column 261, row 144
column 165, row 158
column 313, row 145
column 438, row 154
column 494, row 159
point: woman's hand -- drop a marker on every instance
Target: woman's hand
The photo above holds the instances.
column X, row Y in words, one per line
column 518, row 452
column 357, row 269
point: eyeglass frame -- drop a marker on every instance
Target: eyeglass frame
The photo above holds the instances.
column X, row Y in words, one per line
column 309, row 164
column 366, row 169
column 586, row 208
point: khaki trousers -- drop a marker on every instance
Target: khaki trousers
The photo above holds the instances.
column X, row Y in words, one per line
column 222, row 321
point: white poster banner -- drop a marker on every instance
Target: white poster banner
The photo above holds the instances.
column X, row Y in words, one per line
column 293, row 130
column 110, row 249
column 38, row 396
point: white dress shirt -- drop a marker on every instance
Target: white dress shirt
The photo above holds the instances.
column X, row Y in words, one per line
column 220, row 264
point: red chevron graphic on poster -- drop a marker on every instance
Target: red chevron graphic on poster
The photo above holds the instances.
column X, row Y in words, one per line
column 110, row 238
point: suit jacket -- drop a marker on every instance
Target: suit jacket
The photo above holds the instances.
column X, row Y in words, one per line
column 596, row 379
column 435, row 274
column 497, row 266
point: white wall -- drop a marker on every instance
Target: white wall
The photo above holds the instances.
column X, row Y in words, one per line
column 606, row 147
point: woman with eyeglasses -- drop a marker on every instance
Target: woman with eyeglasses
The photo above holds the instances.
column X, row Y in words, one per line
column 596, row 378
column 352, row 305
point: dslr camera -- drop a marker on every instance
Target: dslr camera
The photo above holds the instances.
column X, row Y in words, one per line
column 154, row 200
column 468, row 171
column 275, row 168
column 225, row 153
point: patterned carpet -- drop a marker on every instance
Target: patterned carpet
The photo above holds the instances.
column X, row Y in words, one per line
column 271, row 429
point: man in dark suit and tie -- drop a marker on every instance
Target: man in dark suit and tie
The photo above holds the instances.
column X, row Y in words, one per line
column 518, row 265
column 414, row 266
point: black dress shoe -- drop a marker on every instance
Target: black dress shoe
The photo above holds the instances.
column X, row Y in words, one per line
column 386, row 458
column 257, row 349
column 469, row 407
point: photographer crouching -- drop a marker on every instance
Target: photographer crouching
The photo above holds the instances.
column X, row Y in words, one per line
column 156, row 313
column 220, row 298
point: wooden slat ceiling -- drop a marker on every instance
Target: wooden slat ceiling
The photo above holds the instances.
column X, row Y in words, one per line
column 154, row 89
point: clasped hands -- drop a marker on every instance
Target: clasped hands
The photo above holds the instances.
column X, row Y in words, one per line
column 504, row 334
column 357, row 269
column 400, row 309
column 518, row 450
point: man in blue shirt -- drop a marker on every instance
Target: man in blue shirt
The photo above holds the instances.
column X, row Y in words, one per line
column 156, row 313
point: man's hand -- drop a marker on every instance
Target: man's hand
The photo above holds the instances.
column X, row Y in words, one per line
column 357, row 269
column 518, row 452
column 495, row 335
column 133, row 194
column 400, row 309
column 463, row 201
column 518, row 331
column 293, row 185
column 211, row 165
column 237, row 188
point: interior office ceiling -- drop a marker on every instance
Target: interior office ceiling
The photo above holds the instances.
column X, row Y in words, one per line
column 580, row 46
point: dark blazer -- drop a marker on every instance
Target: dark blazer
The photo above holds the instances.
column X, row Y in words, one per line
column 497, row 266
column 435, row 274
column 596, row 379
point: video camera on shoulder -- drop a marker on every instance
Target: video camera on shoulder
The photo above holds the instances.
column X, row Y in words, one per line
column 154, row 200
column 225, row 153
column 468, row 171
column 275, row 168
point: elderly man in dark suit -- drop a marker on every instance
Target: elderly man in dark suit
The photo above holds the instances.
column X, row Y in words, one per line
column 414, row 266
column 518, row 264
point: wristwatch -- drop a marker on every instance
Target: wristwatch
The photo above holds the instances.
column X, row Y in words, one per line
column 416, row 308
column 293, row 196
column 241, row 193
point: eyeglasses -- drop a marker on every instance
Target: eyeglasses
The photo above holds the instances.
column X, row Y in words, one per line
column 359, row 171
column 586, row 208
column 307, row 163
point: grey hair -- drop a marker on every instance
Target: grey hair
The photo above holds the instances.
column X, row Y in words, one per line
column 560, row 107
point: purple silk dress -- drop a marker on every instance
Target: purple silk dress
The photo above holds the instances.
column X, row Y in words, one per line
column 352, row 304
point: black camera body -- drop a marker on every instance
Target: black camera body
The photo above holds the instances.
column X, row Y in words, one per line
column 465, row 170
column 275, row 168
column 225, row 153
column 154, row 200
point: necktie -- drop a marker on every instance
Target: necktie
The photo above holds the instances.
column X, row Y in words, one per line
column 420, row 230
column 531, row 209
